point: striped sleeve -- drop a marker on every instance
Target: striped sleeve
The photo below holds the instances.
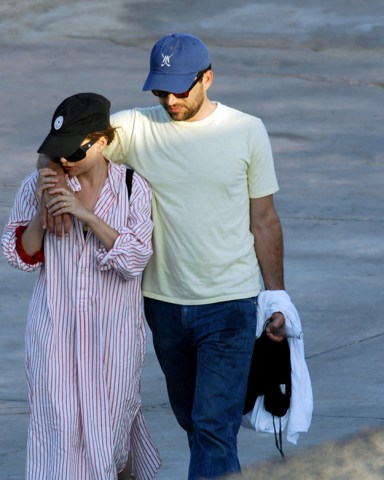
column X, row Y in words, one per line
column 23, row 210
column 133, row 247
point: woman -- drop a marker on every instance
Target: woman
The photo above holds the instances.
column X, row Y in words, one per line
column 85, row 335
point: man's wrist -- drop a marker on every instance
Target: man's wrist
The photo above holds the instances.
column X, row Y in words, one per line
column 51, row 162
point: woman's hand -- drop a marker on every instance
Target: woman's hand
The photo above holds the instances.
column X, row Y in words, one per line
column 45, row 181
column 32, row 237
column 64, row 201
column 51, row 175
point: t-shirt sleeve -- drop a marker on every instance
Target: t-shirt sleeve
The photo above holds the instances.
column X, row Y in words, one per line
column 262, row 179
column 118, row 150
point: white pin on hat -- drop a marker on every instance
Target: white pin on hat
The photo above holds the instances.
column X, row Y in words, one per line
column 58, row 122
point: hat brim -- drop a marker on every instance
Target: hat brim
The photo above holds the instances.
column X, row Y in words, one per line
column 169, row 83
column 61, row 146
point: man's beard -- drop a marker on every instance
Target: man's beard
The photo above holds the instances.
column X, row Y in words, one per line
column 187, row 112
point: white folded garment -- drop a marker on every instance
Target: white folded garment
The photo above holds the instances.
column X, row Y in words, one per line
column 299, row 416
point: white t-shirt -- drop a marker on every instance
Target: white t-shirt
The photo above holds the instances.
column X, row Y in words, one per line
column 202, row 175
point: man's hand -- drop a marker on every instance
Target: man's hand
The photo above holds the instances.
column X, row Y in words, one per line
column 45, row 181
column 56, row 177
column 55, row 224
column 275, row 328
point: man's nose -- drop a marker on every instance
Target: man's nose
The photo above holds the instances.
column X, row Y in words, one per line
column 170, row 99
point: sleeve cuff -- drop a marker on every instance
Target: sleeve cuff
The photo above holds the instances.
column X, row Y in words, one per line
column 29, row 259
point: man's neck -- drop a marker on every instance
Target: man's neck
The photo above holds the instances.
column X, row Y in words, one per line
column 205, row 111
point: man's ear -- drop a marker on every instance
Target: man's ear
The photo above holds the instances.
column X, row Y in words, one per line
column 208, row 79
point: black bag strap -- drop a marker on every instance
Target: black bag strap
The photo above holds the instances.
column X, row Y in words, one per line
column 278, row 440
column 128, row 180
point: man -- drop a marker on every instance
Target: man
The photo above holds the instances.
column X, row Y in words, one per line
column 211, row 171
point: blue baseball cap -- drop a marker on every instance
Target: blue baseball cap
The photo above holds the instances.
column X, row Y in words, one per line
column 175, row 61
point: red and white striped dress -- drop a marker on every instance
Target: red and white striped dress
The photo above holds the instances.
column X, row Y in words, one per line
column 85, row 339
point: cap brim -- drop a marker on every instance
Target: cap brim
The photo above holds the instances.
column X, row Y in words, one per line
column 169, row 83
column 60, row 146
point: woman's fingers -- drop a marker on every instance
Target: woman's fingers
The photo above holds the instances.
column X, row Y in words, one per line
column 61, row 202
column 58, row 206
column 45, row 181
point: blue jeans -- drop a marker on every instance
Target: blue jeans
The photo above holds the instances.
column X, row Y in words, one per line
column 205, row 353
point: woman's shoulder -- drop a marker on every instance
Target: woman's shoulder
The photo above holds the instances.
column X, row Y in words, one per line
column 124, row 177
column 119, row 173
column 117, row 168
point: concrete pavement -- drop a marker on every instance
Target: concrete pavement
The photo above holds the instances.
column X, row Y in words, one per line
column 314, row 73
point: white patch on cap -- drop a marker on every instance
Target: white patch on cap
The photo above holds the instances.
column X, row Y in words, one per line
column 166, row 60
column 58, row 122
